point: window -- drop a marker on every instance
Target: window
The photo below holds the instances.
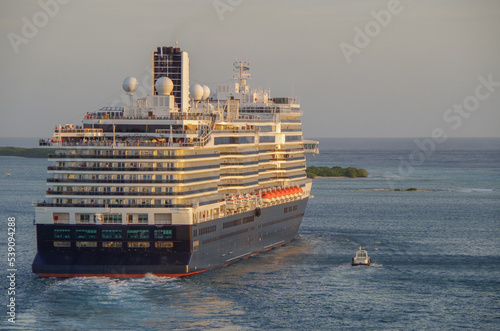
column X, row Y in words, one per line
column 111, row 234
column 143, row 218
column 248, row 219
column 164, row 244
column 86, row 244
column 110, row 244
column 62, row 243
column 84, row 218
column 61, row 218
column 86, row 234
column 163, row 234
column 138, row 234
column 138, row 244
column 62, row 234
column 207, row 229
column 112, row 219
column 233, row 140
column 267, row 139
column 231, row 223
column 293, row 138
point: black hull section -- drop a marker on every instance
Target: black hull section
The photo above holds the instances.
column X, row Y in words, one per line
column 190, row 250
column 109, row 264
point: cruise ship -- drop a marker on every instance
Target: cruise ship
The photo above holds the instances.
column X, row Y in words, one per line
column 175, row 183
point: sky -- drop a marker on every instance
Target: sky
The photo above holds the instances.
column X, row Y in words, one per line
column 363, row 68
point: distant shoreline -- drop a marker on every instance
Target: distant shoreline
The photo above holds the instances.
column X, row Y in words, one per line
column 41, row 153
column 321, row 177
column 335, row 172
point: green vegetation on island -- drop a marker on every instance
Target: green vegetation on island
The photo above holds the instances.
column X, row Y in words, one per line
column 25, row 152
column 349, row 172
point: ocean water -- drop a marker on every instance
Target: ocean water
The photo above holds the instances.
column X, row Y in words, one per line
column 436, row 254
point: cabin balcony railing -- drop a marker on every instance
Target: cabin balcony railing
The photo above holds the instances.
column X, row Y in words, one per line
column 120, row 205
column 109, row 143
column 130, row 157
column 140, row 193
column 126, row 169
column 132, row 181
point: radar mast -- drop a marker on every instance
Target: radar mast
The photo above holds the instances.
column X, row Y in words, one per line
column 241, row 69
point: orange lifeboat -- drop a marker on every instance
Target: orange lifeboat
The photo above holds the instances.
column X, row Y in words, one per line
column 274, row 195
column 281, row 194
column 266, row 197
column 286, row 194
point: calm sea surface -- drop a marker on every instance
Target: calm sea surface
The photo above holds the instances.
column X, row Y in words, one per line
column 436, row 254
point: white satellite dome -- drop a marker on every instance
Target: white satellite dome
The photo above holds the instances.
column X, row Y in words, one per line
column 130, row 84
column 164, row 86
column 196, row 92
column 206, row 92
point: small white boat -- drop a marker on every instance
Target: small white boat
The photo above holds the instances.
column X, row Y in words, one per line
column 361, row 258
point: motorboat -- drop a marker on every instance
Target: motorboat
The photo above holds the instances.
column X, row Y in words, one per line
column 361, row 258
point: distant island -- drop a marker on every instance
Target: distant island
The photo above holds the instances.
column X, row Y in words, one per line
column 349, row 172
column 25, row 152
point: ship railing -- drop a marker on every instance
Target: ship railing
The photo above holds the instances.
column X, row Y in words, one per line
column 172, row 116
column 255, row 118
column 311, row 146
column 115, row 181
column 101, row 205
column 123, row 157
column 109, row 143
column 125, row 169
column 73, row 130
column 116, row 193
column 120, row 181
column 168, row 131
column 290, row 130
column 205, row 137
column 243, row 130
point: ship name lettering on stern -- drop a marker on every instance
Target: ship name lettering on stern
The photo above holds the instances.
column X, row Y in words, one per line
column 11, row 269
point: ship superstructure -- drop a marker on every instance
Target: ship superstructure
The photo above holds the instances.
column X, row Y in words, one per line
column 182, row 181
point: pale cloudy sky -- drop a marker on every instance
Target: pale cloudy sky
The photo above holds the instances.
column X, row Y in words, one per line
column 361, row 68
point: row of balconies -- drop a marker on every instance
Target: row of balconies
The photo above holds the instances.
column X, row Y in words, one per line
column 124, row 169
column 131, row 181
column 113, row 205
column 117, row 193
column 129, row 157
